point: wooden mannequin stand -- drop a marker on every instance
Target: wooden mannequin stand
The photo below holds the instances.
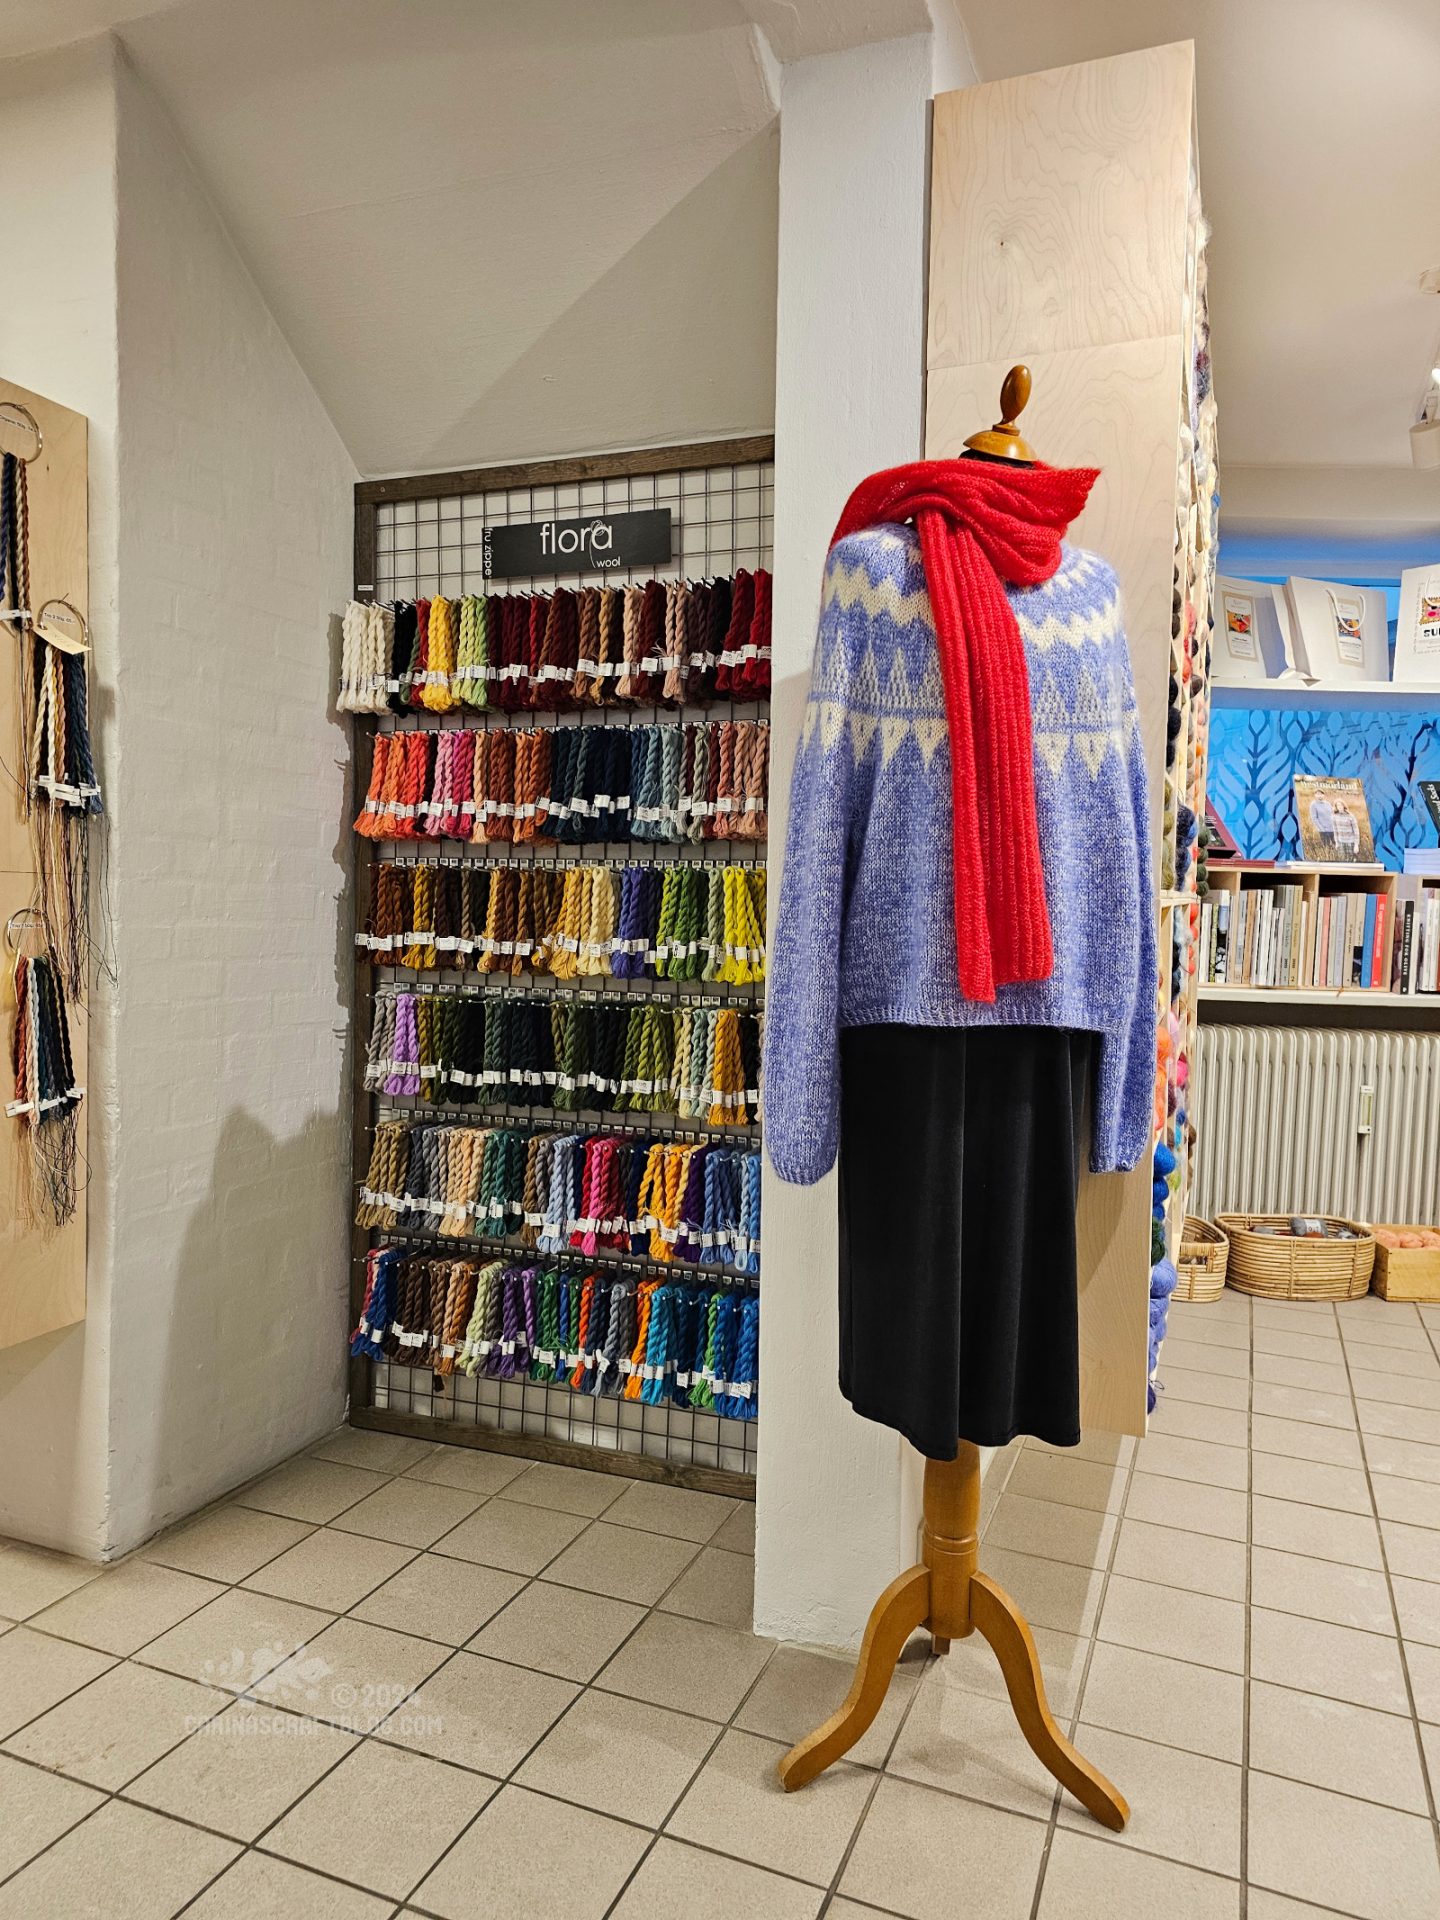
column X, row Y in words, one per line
column 949, row 1595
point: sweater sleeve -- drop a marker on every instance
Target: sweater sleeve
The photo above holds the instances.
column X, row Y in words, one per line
column 1125, row 1091
column 802, row 995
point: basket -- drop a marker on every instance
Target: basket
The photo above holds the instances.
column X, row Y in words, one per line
column 1204, row 1251
column 1275, row 1268
column 1406, row 1273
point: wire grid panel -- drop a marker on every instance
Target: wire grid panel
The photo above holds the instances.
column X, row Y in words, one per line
column 681, row 1436
column 723, row 519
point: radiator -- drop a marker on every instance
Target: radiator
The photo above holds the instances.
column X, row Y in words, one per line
column 1309, row 1120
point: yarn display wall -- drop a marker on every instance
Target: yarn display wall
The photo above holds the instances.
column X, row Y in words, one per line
column 680, row 921
column 564, row 792
column 706, row 780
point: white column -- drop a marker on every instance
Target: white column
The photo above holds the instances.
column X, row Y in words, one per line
column 835, row 1508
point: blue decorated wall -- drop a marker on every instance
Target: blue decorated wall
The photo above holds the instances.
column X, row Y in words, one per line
column 1256, row 752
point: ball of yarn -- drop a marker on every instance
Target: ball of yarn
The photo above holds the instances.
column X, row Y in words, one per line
column 1164, row 1159
column 1163, row 1279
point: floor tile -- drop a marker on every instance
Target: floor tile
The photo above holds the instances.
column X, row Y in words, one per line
column 1320, row 1590
column 1407, row 1459
column 36, row 1808
column 678, row 1882
column 1188, row 1420
column 738, row 1533
column 1196, row 1708
column 1183, row 1806
column 410, row 1513
column 1073, row 1483
column 1301, row 1440
column 117, row 1726
column 1221, row 1511
column 1424, row 1665
column 1261, row 1904
column 1412, row 1551
column 471, row 1469
column 1297, row 1315
column 36, row 1673
column 440, row 1599
column 1200, row 1324
column 1318, row 1657
column 1395, row 1328
column 1351, row 1538
column 1195, row 1561
column 330, row 1570
column 567, row 1489
column 738, row 1806
column 800, row 1689
column 558, row 1630
column 236, row 1640
column 1305, row 1404
column 1337, row 1745
column 33, row 1577
column 512, row 1537
column 1088, row 1879
column 1312, row 1481
column 1054, row 1532
column 1281, row 1370
column 314, row 1490
column 674, row 1510
column 1417, row 1603
column 503, row 1850
column 1338, row 1852
column 1050, row 1593
column 259, row 1888
column 426, row 1804
column 351, row 1674
column 1167, row 1620
column 126, row 1606
column 1181, row 1353
column 482, row 1714
column 687, row 1664
column 718, row 1587
column 159, row 1863
column 1300, row 1346
column 577, row 1760
column 622, row 1563
column 378, row 1452
column 1418, row 1363
column 1403, row 1389
column 968, row 1743
column 917, row 1847
column 1411, row 1502
column 226, row 1544
column 1203, row 1389
column 1399, row 1422
column 241, row 1771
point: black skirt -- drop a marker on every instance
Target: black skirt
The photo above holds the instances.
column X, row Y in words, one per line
column 959, row 1171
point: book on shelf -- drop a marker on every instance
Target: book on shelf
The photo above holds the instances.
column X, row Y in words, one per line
column 1415, row 951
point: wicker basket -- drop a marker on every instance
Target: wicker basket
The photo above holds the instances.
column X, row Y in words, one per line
column 1204, row 1251
column 1284, row 1268
column 1406, row 1273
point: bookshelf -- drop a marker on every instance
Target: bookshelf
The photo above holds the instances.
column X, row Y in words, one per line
column 1320, row 934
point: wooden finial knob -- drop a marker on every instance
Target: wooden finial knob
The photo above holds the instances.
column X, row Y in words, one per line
column 1004, row 441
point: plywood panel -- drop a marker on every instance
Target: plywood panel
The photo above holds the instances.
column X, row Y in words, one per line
column 42, row 1276
column 1058, row 208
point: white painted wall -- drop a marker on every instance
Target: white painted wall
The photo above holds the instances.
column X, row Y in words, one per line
column 57, row 243
column 836, row 1499
column 220, row 539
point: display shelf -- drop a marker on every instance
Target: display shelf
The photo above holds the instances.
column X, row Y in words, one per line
column 1366, row 695
column 1322, row 996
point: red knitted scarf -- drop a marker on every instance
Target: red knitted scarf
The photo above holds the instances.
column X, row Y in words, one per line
column 982, row 525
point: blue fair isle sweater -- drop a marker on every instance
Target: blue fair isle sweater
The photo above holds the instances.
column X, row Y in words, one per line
column 865, row 932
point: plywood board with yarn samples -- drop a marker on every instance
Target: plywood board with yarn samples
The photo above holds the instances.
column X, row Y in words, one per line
column 1059, row 214
column 42, row 1276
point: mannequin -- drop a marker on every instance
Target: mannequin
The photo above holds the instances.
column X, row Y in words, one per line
column 946, row 1592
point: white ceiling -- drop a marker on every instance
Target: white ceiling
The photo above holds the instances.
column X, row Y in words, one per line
column 498, row 229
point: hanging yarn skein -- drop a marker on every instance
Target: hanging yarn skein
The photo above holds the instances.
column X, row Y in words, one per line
column 46, row 1101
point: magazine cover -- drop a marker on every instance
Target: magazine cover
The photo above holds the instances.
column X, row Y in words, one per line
column 1334, row 820
column 1417, row 632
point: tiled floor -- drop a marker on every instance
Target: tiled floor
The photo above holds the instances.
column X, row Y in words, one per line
column 392, row 1678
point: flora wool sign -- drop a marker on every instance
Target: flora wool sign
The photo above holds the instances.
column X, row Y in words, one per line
column 604, row 543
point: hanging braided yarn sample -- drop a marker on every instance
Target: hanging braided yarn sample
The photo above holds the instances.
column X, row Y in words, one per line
column 46, row 1100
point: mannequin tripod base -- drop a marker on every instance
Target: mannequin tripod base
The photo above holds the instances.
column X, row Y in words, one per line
column 948, row 1594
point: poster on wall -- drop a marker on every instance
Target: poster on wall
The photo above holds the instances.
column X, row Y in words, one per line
column 1417, row 634
column 1339, row 631
column 1334, row 820
column 1250, row 635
